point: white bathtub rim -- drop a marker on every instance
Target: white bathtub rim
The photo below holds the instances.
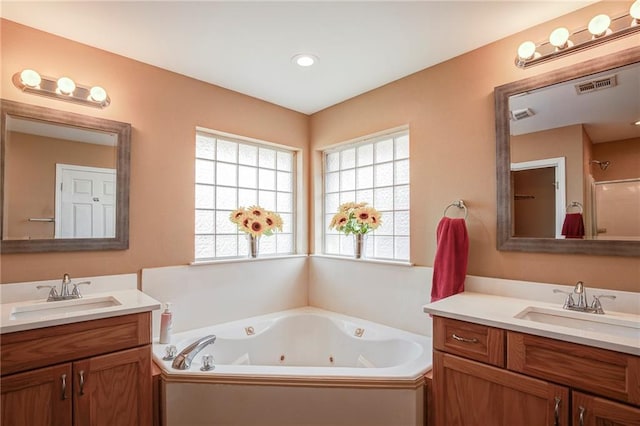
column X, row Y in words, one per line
column 410, row 371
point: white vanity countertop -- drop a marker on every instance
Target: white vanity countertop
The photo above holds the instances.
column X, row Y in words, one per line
column 32, row 314
column 500, row 312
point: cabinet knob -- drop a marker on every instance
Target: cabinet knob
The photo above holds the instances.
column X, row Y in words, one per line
column 556, row 412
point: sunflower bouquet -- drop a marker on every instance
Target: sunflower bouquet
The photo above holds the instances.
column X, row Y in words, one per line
column 256, row 221
column 355, row 218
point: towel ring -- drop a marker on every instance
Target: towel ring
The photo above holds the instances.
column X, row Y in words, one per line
column 575, row 204
column 459, row 204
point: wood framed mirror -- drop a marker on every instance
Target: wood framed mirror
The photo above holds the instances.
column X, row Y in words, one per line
column 509, row 108
column 65, row 180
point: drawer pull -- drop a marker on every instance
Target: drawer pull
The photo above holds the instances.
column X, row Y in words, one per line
column 581, row 421
column 81, row 374
column 464, row 339
column 556, row 412
column 63, row 378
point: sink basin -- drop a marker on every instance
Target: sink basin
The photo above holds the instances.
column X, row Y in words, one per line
column 61, row 308
column 622, row 327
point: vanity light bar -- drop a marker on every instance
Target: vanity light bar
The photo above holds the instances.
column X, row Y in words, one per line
column 600, row 29
column 62, row 88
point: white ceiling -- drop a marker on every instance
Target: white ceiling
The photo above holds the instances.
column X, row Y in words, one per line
column 247, row 46
column 56, row 131
column 607, row 114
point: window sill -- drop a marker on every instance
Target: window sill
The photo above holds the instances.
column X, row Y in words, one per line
column 244, row 259
column 364, row 260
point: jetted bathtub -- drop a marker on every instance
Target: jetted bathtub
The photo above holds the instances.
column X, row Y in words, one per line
column 303, row 366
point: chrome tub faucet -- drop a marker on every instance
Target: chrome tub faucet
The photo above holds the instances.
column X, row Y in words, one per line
column 184, row 358
column 582, row 306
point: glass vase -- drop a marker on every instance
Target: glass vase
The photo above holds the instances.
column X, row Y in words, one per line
column 359, row 245
column 253, row 244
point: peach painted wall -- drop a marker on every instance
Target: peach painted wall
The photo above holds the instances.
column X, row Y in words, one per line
column 562, row 142
column 624, row 156
column 164, row 109
column 449, row 108
column 450, row 111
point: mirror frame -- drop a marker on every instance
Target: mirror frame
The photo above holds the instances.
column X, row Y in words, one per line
column 123, row 162
column 505, row 240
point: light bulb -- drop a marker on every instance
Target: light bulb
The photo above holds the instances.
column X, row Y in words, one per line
column 98, row 94
column 30, row 78
column 66, row 85
column 527, row 50
column 559, row 38
column 634, row 11
column 599, row 25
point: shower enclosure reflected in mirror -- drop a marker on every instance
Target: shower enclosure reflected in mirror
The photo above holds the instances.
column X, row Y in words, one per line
column 65, row 181
column 567, row 145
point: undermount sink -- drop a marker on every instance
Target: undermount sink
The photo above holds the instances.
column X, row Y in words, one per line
column 61, row 308
column 621, row 327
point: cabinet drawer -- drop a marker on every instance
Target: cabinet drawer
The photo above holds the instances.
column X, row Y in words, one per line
column 603, row 372
column 26, row 350
column 474, row 341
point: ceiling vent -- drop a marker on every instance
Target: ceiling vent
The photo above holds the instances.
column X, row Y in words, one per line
column 597, row 84
column 520, row 114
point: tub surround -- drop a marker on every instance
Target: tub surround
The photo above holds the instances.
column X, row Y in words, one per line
column 389, row 294
column 202, row 295
column 384, row 293
column 500, row 312
column 320, row 380
column 27, row 312
column 304, row 335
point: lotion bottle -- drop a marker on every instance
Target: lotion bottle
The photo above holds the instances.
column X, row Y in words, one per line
column 166, row 324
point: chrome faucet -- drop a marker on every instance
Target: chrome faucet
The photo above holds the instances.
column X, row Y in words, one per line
column 64, row 294
column 582, row 295
column 64, row 287
column 582, row 306
column 184, row 358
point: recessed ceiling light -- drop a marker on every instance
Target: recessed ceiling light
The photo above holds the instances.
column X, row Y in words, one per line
column 304, row 59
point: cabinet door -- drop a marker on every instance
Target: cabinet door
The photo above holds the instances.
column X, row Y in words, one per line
column 470, row 393
column 37, row 398
column 594, row 411
column 113, row 389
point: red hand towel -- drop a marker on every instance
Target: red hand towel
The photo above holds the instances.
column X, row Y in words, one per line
column 450, row 264
column 573, row 226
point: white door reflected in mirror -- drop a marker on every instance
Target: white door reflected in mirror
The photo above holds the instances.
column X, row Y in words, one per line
column 85, row 202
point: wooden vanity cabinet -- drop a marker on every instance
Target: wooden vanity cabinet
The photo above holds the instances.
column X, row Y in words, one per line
column 89, row 384
column 469, row 393
column 596, row 411
column 40, row 397
column 543, row 381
